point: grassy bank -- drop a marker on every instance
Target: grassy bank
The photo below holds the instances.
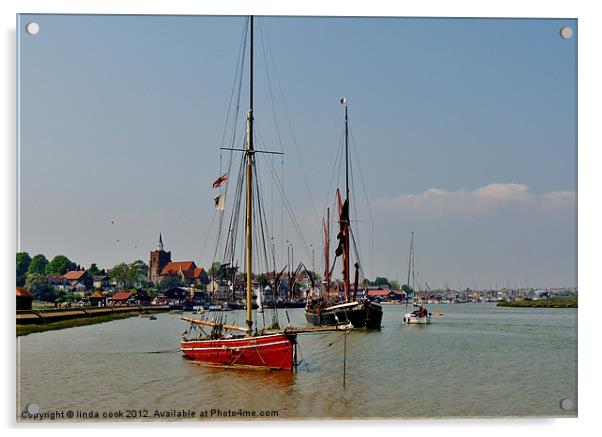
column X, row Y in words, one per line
column 31, row 328
column 559, row 302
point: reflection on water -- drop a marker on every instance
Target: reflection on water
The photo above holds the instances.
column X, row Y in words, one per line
column 476, row 360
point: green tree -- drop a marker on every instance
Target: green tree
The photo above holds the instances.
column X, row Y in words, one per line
column 169, row 282
column 38, row 284
column 93, row 270
column 121, row 274
column 408, row 290
column 59, row 265
column 394, row 284
column 38, row 264
column 140, row 268
column 380, row 281
column 214, row 269
column 23, row 261
column 128, row 275
column 262, row 280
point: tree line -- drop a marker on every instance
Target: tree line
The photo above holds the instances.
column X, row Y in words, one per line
column 32, row 274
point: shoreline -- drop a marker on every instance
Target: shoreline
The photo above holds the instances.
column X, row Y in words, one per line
column 71, row 323
column 564, row 302
column 31, row 321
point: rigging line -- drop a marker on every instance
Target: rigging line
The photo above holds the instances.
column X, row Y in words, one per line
column 357, row 255
column 265, row 61
column 234, row 203
column 262, row 217
column 257, row 230
column 230, row 244
column 358, row 250
column 291, row 213
column 238, row 75
column 367, row 201
column 282, row 216
column 261, row 142
column 290, row 125
column 241, row 51
column 336, row 175
column 207, row 235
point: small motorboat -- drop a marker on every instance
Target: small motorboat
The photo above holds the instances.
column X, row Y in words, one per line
column 418, row 317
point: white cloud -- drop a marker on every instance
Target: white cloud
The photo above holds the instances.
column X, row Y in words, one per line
column 484, row 199
column 491, row 234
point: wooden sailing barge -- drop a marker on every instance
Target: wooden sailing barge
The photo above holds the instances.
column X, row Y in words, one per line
column 361, row 313
column 228, row 345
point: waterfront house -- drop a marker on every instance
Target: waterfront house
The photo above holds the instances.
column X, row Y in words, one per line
column 101, row 282
column 386, row 295
column 97, row 299
column 200, row 276
column 183, row 269
column 175, row 293
column 79, row 277
column 120, row 298
column 219, row 290
column 59, row 283
column 24, row 299
column 175, row 296
column 142, row 298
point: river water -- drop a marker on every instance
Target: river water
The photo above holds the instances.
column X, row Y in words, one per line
column 477, row 360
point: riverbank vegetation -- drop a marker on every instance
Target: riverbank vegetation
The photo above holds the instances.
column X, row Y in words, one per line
column 555, row 302
column 71, row 323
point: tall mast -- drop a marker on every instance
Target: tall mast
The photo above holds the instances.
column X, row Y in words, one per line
column 249, row 180
column 410, row 268
column 327, row 249
column 410, row 261
column 346, row 224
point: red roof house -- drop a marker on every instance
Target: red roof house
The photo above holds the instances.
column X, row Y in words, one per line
column 24, row 299
column 82, row 277
column 120, row 298
column 175, row 268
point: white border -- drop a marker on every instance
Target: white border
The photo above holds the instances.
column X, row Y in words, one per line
column 590, row 143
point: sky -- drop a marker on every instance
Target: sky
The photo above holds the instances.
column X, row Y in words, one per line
column 463, row 132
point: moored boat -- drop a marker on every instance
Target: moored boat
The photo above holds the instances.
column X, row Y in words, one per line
column 271, row 350
column 420, row 315
column 417, row 317
column 229, row 345
column 361, row 313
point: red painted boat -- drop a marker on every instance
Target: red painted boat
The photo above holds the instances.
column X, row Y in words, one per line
column 271, row 348
column 273, row 351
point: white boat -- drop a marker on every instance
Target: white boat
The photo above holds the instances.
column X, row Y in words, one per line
column 259, row 300
column 420, row 316
column 219, row 307
column 414, row 319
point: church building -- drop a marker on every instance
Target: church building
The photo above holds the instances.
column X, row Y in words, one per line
column 159, row 258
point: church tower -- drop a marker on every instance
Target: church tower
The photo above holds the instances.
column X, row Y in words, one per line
column 158, row 259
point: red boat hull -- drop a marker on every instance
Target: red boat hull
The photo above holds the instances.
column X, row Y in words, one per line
column 274, row 351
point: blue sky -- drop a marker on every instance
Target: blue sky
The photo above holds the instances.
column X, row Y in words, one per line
column 464, row 129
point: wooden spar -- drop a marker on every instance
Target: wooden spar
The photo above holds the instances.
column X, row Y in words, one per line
column 249, row 181
column 316, row 329
column 346, row 260
column 327, row 248
column 207, row 323
column 356, row 280
column 344, row 230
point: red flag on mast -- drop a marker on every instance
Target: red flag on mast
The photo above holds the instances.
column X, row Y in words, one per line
column 220, row 181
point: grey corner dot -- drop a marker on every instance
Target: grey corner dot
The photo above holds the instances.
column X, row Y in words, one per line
column 566, row 32
column 32, row 408
column 567, row 404
column 32, row 28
